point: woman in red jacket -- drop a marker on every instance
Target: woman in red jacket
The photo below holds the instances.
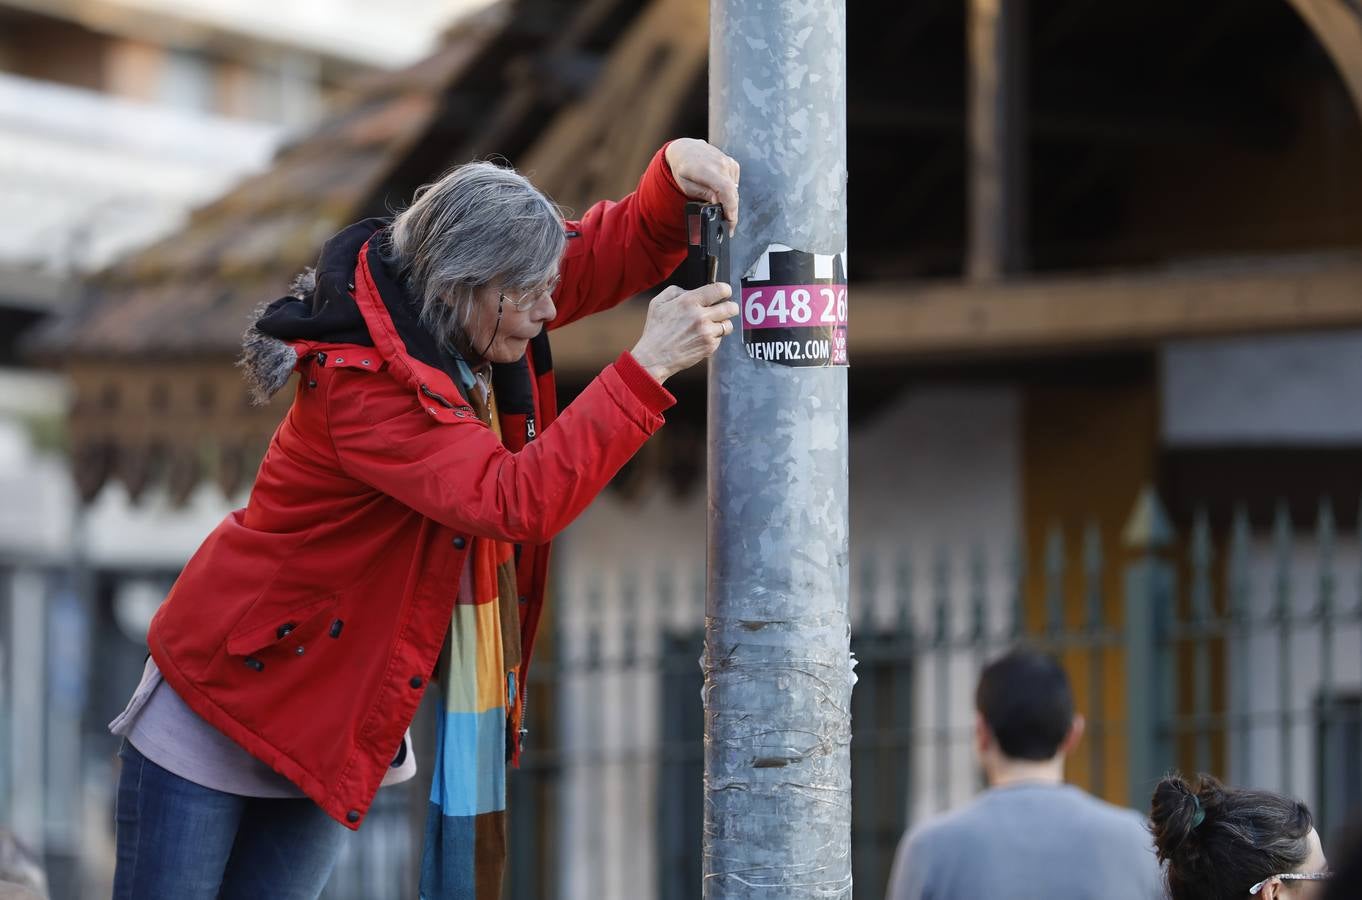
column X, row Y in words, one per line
column 405, row 505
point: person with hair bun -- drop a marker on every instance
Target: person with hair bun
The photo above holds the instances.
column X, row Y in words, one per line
column 1219, row 843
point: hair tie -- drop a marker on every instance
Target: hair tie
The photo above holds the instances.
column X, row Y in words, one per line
column 1200, row 815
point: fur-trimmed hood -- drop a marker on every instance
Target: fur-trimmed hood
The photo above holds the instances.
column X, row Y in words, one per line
column 267, row 361
column 319, row 307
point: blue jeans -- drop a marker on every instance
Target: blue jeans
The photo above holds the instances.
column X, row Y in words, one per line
column 180, row 841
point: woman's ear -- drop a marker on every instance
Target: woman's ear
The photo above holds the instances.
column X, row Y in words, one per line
column 1272, row 890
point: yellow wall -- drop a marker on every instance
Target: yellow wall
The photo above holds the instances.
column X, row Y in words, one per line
column 1086, row 453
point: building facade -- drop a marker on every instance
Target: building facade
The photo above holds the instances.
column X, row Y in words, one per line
column 1104, row 312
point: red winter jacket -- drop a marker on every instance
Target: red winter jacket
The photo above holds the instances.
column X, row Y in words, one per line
column 306, row 625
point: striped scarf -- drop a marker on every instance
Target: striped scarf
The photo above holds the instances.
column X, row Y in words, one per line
column 465, row 844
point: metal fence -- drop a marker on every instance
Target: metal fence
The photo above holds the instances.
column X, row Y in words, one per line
column 379, row 860
column 1232, row 646
column 1235, row 650
column 69, row 659
column 44, row 640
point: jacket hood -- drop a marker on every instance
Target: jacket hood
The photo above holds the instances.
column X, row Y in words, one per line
column 320, row 307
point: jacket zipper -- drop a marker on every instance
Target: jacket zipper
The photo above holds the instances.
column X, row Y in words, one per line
column 522, row 684
column 436, row 397
column 524, row 714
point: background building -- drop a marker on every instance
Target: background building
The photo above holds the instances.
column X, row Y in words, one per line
column 117, row 119
column 1107, row 307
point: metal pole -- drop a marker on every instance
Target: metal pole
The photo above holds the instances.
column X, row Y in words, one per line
column 777, row 664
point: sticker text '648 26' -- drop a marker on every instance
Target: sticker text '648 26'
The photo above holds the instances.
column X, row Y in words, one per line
column 794, row 306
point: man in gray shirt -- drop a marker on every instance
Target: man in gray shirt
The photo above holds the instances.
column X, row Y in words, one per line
column 1028, row 835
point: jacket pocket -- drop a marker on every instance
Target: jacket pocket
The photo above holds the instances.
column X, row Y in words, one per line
column 292, row 628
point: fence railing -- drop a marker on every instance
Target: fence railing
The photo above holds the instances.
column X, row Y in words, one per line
column 1230, row 646
column 1234, row 649
column 379, row 860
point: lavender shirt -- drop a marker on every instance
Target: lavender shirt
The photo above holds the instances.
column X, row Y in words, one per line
column 166, row 731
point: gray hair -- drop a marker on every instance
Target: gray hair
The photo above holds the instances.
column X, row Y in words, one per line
column 1217, row 841
column 480, row 222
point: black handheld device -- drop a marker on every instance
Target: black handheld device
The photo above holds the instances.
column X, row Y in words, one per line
column 707, row 240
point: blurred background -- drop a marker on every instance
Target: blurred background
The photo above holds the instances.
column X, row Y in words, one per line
column 1106, row 351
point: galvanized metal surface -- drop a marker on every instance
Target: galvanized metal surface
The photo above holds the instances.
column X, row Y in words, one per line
column 777, row 663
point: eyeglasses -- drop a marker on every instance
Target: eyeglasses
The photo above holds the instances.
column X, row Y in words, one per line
column 531, row 297
column 1292, row 876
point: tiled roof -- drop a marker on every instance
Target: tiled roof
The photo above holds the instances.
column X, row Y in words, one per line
column 149, row 348
column 538, row 82
column 194, row 291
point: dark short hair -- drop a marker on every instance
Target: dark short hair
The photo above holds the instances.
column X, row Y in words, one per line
column 1027, row 703
column 1218, row 841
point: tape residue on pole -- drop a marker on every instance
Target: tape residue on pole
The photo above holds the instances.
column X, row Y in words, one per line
column 794, row 308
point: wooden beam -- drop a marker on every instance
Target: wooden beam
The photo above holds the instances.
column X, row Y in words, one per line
column 592, row 150
column 912, row 322
column 1338, row 26
column 176, row 408
column 1080, row 314
column 997, row 144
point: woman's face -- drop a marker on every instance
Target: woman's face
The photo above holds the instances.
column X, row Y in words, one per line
column 523, row 315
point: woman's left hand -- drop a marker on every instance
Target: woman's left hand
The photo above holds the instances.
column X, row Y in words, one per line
column 705, row 173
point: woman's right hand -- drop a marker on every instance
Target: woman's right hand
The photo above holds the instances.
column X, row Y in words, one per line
column 683, row 328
